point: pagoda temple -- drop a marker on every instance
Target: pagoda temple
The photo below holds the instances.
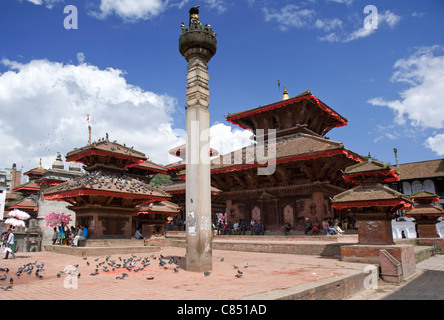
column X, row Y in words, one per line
column 307, row 164
column 106, row 197
column 425, row 213
column 30, row 191
column 372, row 202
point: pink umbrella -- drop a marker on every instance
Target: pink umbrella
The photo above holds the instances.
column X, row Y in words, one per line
column 15, row 222
column 19, row 214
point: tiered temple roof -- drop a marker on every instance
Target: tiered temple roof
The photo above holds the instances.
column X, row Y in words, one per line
column 371, row 192
column 424, row 206
column 290, row 116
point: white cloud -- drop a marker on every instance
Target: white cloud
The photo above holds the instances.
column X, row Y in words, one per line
column 290, row 16
column 436, row 144
column 225, row 139
column 44, row 106
column 328, row 24
column 387, row 18
column 48, row 3
column 131, row 10
column 347, row 2
column 136, row 10
column 420, row 105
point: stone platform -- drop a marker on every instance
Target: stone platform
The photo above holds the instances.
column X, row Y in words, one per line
column 97, row 247
column 319, row 245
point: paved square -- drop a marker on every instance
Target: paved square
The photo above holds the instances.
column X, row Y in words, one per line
column 265, row 272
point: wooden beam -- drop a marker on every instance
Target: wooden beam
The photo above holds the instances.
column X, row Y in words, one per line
column 240, row 181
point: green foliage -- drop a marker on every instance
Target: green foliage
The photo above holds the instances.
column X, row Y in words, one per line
column 159, row 180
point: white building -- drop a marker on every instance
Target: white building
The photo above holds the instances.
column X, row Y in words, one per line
column 415, row 177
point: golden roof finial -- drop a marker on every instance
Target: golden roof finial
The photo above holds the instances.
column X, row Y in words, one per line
column 40, row 164
column 285, row 95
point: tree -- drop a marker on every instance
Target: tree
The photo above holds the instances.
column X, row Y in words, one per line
column 159, row 180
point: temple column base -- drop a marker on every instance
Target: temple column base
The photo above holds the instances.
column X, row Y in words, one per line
column 397, row 262
column 427, row 228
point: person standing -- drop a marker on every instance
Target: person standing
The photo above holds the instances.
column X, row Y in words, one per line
column 62, row 235
column 55, row 235
column 10, row 244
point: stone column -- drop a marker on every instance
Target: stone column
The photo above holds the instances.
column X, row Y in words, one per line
column 198, row 44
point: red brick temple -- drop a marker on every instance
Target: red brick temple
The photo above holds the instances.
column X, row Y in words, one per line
column 373, row 204
column 106, row 197
column 308, row 165
column 425, row 213
column 30, row 192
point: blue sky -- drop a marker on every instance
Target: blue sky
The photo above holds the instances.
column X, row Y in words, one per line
column 122, row 66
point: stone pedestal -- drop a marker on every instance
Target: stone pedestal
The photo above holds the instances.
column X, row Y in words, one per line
column 375, row 232
column 397, row 262
column 427, row 228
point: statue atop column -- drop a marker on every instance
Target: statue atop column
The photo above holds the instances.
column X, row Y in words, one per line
column 194, row 15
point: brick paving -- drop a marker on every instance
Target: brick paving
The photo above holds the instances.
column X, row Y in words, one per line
column 265, row 272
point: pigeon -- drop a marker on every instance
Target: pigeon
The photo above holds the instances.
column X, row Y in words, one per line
column 246, row 266
column 120, row 277
column 58, row 275
column 222, row 259
column 239, row 272
column 6, row 288
column 235, row 267
column 11, row 281
column 175, row 270
column 94, row 273
column 207, row 273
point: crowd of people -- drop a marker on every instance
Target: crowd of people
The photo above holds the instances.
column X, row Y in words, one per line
column 70, row 236
column 328, row 226
column 225, row 227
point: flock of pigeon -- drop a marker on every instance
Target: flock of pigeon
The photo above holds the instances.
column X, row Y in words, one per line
column 239, row 273
column 129, row 265
column 107, row 181
column 126, row 265
column 29, row 268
